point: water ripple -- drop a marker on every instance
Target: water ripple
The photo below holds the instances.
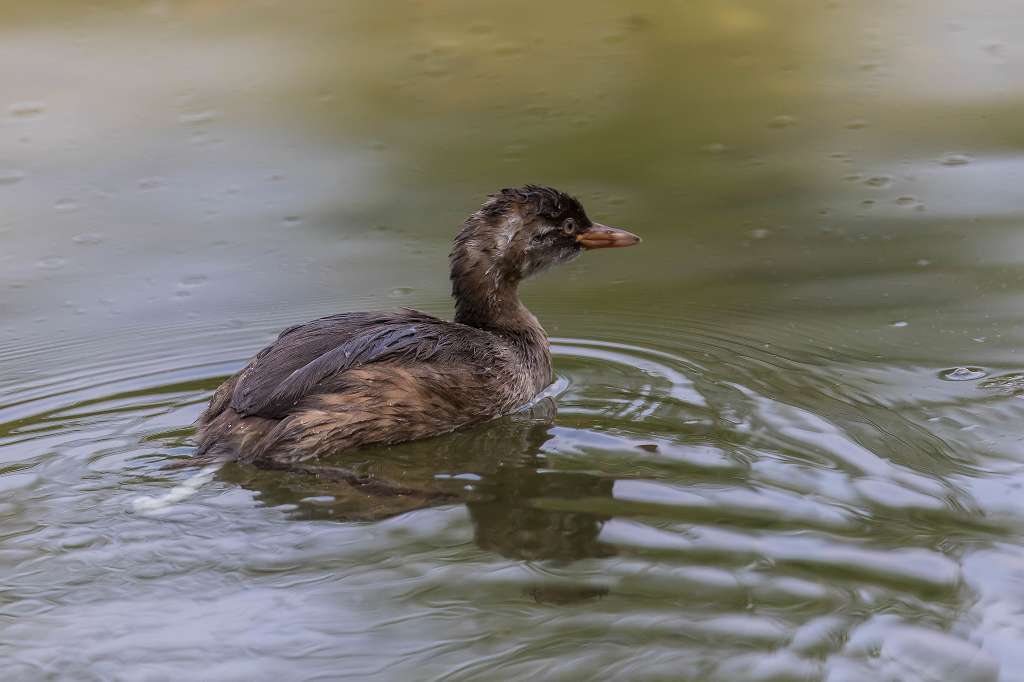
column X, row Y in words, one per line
column 670, row 507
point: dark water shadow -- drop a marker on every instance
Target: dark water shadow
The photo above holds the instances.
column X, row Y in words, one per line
column 498, row 470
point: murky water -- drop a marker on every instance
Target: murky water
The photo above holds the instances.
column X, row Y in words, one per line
column 784, row 443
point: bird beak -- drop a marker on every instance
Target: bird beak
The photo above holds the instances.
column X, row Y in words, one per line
column 599, row 236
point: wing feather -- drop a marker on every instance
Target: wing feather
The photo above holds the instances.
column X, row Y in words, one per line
column 306, row 357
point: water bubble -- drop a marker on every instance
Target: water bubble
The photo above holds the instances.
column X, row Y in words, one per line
column 857, row 124
column 10, row 176
column 783, row 121
column 197, row 118
column 51, row 263
column 922, row 262
column 899, row 323
column 715, row 148
column 88, row 238
column 760, row 233
column 955, row 160
column 65, row 205
column 318, row 499
column 878, row 181
column 400, row 292
column 26, row 109
column 963, row 374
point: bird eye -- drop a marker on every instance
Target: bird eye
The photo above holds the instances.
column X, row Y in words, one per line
column 569, row 226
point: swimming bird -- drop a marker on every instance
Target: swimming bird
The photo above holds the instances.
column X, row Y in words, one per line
column 374, row 378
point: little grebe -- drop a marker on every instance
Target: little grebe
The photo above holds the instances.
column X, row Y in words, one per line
column 373, row 378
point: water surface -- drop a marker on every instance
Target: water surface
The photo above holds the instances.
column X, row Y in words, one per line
column 784, row 439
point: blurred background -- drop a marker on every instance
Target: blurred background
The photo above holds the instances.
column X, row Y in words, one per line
column 787, row 438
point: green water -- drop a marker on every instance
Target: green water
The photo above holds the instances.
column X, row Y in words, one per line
column 764, row 463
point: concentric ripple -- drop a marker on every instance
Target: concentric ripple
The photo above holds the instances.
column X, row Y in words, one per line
column 655, row 502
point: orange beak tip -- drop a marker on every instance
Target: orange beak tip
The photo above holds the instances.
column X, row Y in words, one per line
column 599, row 236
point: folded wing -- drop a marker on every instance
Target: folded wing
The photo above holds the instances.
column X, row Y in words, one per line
column 304, row 358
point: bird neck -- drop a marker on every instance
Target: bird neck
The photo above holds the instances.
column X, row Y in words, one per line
column 485, row 284
column 487, row 300
column 499, row 311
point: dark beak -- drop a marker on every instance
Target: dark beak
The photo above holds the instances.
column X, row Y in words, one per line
column 599, row 236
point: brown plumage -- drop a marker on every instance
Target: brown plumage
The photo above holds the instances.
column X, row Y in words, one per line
column 370, row 378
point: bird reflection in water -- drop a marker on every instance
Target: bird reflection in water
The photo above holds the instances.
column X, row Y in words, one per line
column 520, row 508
